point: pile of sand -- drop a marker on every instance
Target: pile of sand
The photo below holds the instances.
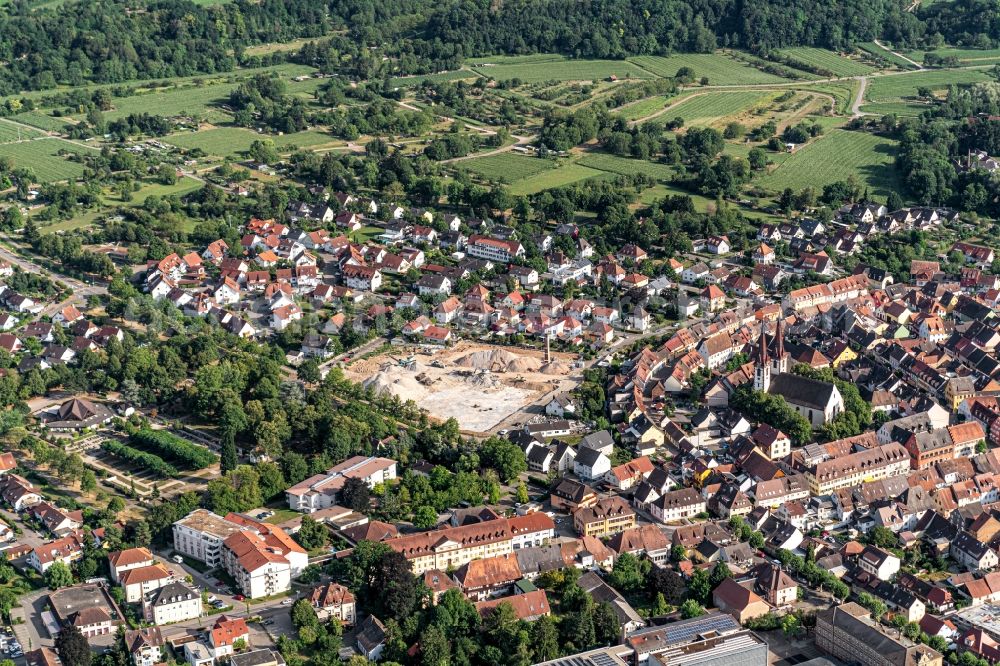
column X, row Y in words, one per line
column 498, row 360
column 403, row 386
column 484, row 379
column 556, row 368
column 524, row 364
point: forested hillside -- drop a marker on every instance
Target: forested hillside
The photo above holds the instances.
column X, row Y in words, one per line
column 112, row 42
column 117, row 41
column 617, row 28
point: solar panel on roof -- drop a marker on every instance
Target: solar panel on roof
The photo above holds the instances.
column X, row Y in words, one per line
column 602, row 660
column 683, row 632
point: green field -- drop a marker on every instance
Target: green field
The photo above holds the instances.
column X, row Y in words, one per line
column 835, row 156
column 183, row 186
column 413, row 81
column 566, row 174
column 896, row 108
column 516, row 59
column 966, row 57
column 42, row 157
column 508, row 167
column 827, row 60
column 42, row 120
column 714, row 107
column 898, row 87
column 225, row 141
column 558, row 69
column 879, row 52
column 626, row 167
column 721, row 69
column 189, row 100
column 645, row 107
column 10, row 132
column 843, row 92
column 286, row 70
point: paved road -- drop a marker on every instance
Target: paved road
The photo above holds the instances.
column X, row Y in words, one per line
column 28, row 265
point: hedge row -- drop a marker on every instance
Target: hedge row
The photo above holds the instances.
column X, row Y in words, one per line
column 154, row 463
column 173, row 448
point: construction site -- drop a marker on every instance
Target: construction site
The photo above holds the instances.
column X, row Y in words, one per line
column 483, row 387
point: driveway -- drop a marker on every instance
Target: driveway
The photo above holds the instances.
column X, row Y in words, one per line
column 32, row 633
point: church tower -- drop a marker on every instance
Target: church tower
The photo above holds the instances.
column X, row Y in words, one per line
column 780, row 362
column 762, row 370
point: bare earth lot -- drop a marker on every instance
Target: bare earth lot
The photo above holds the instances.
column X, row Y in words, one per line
column 478, row 385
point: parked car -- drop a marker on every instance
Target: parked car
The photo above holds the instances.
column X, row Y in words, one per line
column 239, row 597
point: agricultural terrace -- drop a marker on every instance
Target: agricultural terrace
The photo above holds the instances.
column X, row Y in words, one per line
column 10, row 132
column 887, row 55
column 966, row 57
column 509, row 167
column 720, row 68
column 821, row 59
column 646, row 107
column 625, row 166
column 189, row 100
column 42, row 120
column 286, row 70
column 902, row 86
column 224, row 141
column 715, row 108
column 43, row 157
column 440, row 77
column 556, row 68
column 834, row 157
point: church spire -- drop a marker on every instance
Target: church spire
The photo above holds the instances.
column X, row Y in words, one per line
column 780, row 335
column 780, row 361
column 762, row 369
column 762, row 344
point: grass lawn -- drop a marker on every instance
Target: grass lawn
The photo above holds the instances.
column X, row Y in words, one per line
column 273, row 47
column 225, row 141
column 834, row 157
column 42, row 156
column 508, row 167
column 565, row 175
column 559, row 69
column 81, row 221
column 281, row 515
column 895, row 88
column 721, row 69
column 181, row 187
column 658, row 192
column 364, row 234
column 743, row 150
column 826, row 60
